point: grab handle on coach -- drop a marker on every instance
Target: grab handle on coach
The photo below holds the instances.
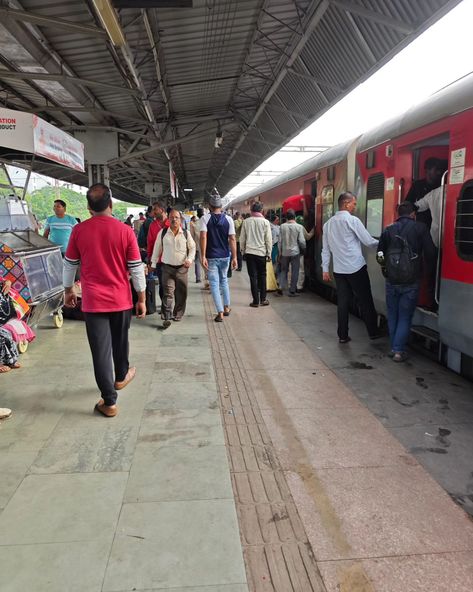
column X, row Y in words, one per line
column 441, row 224
column 400, row 188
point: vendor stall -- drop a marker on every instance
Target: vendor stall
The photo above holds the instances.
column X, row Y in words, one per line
column 32, row 263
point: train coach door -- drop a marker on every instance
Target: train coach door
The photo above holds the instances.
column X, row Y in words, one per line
column 310, row 189
column 426, row 187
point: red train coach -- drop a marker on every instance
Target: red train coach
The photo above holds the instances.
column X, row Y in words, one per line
column 379, row 167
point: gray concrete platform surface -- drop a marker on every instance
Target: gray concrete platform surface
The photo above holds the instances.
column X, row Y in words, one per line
column 254, row 455
column 138, row 502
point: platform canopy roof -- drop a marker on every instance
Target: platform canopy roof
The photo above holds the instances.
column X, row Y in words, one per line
column 169, row 76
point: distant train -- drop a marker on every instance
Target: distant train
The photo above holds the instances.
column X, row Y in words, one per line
column 379, row 167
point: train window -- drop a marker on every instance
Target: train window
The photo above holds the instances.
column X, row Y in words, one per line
column 327, row 203
column 374, row 204
column 370, row 159
column 331, row 173
column 464, row 223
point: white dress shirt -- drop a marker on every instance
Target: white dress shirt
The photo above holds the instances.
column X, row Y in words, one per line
column 433, row 202
column 342, row 238
column 175, row 249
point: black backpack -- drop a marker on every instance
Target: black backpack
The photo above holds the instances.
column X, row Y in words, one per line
column 401, row 262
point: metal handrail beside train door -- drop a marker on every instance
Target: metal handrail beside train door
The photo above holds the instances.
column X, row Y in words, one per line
column 441, row 225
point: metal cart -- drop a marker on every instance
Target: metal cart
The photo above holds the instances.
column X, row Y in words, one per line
column 32, row 263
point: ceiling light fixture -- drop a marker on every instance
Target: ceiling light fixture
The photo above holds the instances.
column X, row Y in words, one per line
column 110, row 21
column 218, row 138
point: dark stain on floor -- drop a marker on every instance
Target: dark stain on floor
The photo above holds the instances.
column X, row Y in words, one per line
column 360, row 366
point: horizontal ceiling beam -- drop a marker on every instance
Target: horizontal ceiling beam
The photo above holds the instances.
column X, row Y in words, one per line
column 103, row 128
column 72, row 109
column 161, row 146
column 152, row 3
column 65, row 79
column 47, row 21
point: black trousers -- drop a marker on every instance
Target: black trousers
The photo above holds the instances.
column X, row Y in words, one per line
column 256, row 266
column 239, row 256
column 159, row 273
column 357, row 283
column 107, row 333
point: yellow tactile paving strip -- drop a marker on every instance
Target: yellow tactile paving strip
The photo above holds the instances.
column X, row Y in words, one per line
column 277, row 552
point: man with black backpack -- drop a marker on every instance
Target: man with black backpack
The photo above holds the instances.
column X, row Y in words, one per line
column 401, row 248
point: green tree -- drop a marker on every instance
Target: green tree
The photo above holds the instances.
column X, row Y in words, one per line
column 42, row 201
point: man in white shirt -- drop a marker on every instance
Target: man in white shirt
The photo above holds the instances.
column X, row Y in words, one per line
column 342, row 238
column 175, row 248
column 256, row 244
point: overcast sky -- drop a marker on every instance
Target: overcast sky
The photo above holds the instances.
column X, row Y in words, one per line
column 438, row 57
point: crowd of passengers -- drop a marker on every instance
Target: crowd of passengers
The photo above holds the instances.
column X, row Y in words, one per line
column 162, row 245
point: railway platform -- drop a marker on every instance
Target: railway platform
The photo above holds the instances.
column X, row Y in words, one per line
column 253, row 455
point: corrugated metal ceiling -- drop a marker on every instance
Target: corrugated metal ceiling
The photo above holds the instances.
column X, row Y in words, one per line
column 259, row 70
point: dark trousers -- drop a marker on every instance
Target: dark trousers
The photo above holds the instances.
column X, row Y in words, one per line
column 357, row 283
column 239, row 256
column 175, row 291
column 294, row 262
column 256, row 266
column 159, row 273
column 107, row 333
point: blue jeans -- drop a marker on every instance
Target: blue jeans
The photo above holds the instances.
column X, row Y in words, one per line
column 217, row 276
column 401, row 302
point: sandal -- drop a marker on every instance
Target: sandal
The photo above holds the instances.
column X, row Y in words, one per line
column 226, row 311
column 218, row 318
column 4, row 369
column 15, row 365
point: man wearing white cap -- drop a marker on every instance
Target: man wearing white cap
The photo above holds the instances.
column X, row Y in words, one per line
column 217, row 242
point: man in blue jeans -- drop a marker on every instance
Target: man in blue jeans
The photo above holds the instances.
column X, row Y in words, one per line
column 405, row 241
column 217, row 243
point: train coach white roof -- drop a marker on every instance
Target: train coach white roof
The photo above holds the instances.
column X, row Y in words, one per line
column 454, row 98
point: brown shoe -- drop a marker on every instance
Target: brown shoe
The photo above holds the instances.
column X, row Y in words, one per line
column 106, row 410
column 130, row 375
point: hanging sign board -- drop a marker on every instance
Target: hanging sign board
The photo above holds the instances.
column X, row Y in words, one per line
column 29, row 133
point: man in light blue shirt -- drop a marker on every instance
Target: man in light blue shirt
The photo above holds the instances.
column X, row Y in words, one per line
column 59, row 227
column 342, row 238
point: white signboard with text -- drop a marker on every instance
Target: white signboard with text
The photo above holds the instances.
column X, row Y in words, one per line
column 29, row 133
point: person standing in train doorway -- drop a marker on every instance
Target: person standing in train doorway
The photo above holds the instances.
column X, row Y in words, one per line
column 433, row 171
column 108, row 253
column 343, row 235
column 217, row 242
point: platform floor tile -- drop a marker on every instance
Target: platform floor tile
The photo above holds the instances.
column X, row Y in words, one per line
column 171, row 544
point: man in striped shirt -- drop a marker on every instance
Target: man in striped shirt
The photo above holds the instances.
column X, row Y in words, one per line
column 108, row 253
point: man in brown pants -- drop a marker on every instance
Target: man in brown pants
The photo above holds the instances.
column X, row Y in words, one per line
column 175, row 249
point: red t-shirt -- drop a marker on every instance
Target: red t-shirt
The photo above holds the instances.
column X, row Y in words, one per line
column 105, row 246
column 154, row 229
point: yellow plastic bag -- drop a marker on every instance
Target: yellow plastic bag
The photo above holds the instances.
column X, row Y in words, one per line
column 271, row 282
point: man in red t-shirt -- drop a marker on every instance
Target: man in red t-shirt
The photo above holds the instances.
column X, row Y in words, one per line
column 108, row 253
column 160, row 221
